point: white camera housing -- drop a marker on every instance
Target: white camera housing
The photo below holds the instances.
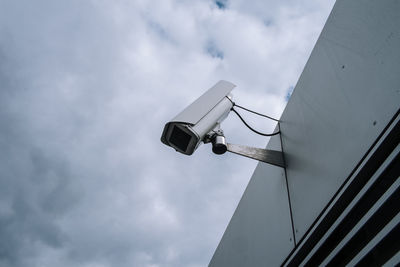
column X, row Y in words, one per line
column 185, row 132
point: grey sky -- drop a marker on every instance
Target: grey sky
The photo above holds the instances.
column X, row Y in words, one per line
column 85, row 90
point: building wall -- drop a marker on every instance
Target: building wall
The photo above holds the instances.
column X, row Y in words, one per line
column 345, row 97
column 260, row 231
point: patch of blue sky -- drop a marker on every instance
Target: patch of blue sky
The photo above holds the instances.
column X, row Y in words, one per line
column 289, row 92
column 159, row 30
column 214, row 51
column 268, row 22
column 221, row 4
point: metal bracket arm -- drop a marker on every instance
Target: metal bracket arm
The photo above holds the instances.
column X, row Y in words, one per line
column 265, row 155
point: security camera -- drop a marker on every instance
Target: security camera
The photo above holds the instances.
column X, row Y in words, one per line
column 201, row 120
column 198, row 121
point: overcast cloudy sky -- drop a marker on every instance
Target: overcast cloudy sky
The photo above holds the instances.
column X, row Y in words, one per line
column 85, row 90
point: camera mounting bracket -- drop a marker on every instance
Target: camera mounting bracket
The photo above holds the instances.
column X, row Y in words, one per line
column 273, row 157
column 219, row 146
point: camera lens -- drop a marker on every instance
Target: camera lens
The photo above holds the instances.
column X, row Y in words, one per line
column 219, row 144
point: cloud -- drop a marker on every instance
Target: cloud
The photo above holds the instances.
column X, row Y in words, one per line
column 86, row 88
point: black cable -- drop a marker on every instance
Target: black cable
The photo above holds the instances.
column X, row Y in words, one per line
column 248, row 126
column 259, row 114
